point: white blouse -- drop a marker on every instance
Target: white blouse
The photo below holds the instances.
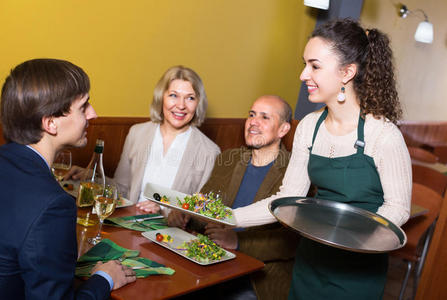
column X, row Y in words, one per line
column 383, row 142
column 162, row 169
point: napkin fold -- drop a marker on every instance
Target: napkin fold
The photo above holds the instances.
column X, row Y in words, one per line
column 133, row 223
column 107, row 250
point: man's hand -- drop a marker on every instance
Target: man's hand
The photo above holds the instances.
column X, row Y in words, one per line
column 121, row 275
column 221, row 235
column 149, row 207
column 178, row 219
column 74, row 173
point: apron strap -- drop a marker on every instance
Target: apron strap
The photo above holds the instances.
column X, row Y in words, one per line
column 359, row 143
column 320, row 120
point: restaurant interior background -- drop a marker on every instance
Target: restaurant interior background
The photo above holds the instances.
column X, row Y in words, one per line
column 240, row 48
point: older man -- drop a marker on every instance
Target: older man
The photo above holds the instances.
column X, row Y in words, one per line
column 246, row 175
column 44, row 108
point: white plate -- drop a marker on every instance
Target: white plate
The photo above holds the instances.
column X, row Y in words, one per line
column 74, row 192
column 151, row 188
column 125, row 202
column 179, row 236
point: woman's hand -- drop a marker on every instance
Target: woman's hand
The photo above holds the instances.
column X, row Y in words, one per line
column 74, row 173
column 177, row 219
column 221, row 235
column 149, row 207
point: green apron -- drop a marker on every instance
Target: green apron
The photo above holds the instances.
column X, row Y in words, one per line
column 324, row 272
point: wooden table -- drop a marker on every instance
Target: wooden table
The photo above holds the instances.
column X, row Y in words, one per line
column 188, row 276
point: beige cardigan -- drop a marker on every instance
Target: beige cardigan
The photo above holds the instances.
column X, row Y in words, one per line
column 195, row 167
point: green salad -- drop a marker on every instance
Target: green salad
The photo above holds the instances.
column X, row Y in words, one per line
column 206, row 204
column 202, row 249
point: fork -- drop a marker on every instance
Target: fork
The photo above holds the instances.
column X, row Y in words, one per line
column 142, row 224
column 122, row 258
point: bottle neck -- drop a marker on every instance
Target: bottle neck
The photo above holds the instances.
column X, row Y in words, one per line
column 99, row 149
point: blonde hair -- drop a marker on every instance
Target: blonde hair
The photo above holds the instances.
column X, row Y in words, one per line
column 181, row 73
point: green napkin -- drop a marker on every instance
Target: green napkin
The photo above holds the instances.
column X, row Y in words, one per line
column 107, row 250
column 145, row 225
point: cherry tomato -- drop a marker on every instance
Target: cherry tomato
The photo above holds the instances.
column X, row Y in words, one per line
column 68, row 186
column 185, row 206
column 159, row 237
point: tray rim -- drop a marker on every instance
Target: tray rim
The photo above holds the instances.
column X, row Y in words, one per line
column 148, row 234
column 328, row 203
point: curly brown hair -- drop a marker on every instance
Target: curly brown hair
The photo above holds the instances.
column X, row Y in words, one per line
column 374, row 83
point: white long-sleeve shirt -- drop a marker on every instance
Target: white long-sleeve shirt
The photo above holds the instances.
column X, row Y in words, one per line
column 383, row 142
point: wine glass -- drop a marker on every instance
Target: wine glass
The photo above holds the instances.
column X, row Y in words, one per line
column 105, row 204
column 61, row 164
column 85, row 200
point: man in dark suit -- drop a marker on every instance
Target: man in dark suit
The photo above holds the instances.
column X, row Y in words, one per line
column 44, row 108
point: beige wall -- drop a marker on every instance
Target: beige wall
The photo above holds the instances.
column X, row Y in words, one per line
column 421, row 68
column 241, row 48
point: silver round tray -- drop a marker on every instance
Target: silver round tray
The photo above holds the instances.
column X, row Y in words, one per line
column 338, row 224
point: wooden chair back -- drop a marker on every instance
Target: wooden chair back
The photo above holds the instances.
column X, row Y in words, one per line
column 416, row 228
column 441, row 152
column 430, row 178
column 226, row 133
column 422, row 155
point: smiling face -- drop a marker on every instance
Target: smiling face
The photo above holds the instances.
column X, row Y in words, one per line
column 72, row 127
column 263, row 127
column 322, row 73
column 179, row 105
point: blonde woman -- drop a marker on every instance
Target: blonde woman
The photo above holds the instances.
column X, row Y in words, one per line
column 169, row 150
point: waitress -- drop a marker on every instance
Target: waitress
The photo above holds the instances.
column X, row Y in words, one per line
column 352, row 151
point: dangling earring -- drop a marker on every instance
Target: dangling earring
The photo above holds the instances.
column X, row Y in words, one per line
column 341, row 97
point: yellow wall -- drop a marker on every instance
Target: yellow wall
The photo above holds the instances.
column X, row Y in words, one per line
column 241, row 48
column 421, row 68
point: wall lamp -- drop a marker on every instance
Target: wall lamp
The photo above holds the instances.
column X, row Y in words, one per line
column 321, row 4
column 424, row 32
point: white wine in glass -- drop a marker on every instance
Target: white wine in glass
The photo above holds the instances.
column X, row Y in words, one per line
column 85, row 200
column 61, row 164
column 104, row 205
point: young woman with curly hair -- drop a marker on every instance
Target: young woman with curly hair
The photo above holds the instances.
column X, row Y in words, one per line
column 351, row 150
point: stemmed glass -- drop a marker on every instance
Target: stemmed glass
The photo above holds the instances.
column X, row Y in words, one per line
column 105, row 204
column 61, row 164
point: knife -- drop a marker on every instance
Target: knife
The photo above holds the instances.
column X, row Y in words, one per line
column 144, row 219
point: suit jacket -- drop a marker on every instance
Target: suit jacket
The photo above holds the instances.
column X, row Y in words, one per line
column 195, row 167
column 38, row 247
column 272, row 243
